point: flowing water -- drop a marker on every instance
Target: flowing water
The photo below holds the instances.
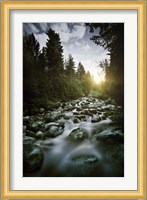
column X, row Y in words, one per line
column 91, row 143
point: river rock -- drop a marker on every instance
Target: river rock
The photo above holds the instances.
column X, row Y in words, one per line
column 26, row 120
column 76, row 120
column 32, row 158
column 52, row 116
column 81, row 117
column 78, row 108
column 54, row 131
column 39, row 135
column 78, row 134
column 36, row 126
column 75, row 113
column 86, row 159
column 41, row 110
column 48, row 117
column 90, row 160
column 110, row 135
column 47, row 143
column 93, row 111
column 95, row 119
column 28, row 140
column 48, row 125
column 31, row 133
column 85, row 112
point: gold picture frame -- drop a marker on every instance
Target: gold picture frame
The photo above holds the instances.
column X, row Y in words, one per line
column 7, row 6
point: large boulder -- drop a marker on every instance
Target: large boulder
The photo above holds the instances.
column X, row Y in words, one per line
column 37, row 126
column 111, row 135
column 47, row 143
column 48, row 125
column 93, row 111
column 47, row 117
column 78, row 134
column 96, row 118
column 52, row 116
column 39, row 135
column 85, row 112
column 54, row 131
column 28, row 140
column 32, row 158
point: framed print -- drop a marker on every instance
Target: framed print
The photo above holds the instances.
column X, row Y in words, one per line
column 73, row 100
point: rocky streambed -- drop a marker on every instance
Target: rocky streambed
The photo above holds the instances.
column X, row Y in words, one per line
column 79, row 138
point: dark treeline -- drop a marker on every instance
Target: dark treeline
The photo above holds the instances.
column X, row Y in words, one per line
column 47, row 78
column 111, row 37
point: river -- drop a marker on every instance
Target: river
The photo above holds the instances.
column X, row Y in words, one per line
column 79, row 138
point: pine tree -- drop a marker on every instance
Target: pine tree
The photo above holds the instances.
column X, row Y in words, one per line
column 54, row 54
column 70, row 67
column 80, row 71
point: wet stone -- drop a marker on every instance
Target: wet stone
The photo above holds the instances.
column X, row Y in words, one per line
column 41, row 110
column 78, row 134
column 78, row 109
column 39, row 134
column 30, row 133
column 28, row 140
column 85, row 112
column 26, row 120
column 48, row 125
column 93, row 111
column 36, row 126
column 86, row 159
column 32, row 158
column 89, row 160
column 47, row 117
column 96, row 119
column 52, row 116
column 54, row 131
column 76, row 120
column 47, row 142
column 111, row 136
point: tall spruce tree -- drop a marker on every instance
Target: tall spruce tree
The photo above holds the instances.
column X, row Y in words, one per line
column 70, row 67
column 54, row 54
column 80, row 71
column 54, row 64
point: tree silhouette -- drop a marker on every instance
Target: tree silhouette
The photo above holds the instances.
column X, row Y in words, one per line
column 111, row 37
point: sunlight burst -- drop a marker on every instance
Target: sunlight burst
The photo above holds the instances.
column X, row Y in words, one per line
column 98, row 79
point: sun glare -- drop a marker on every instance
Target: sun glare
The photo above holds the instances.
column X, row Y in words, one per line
column 98, row 79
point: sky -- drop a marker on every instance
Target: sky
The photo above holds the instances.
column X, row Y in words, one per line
column 75, row 39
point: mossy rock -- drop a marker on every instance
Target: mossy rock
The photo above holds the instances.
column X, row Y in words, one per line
column 32, row 158
column 78, row 134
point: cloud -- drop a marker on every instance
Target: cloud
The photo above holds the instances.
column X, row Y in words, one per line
column 78, row 43
column 63, row 30
column 78, row 31
column 69, row 31
column 44, row 27
column 86, row 47
column 30, row 28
